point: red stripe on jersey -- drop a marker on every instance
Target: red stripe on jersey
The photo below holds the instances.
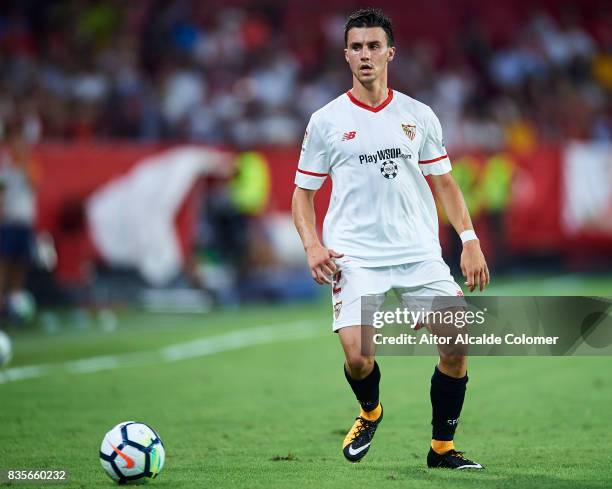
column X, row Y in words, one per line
column 378, row 108
column 312, row 174
column 425, row 162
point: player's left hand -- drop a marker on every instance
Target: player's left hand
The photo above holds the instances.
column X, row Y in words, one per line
column 473, row 265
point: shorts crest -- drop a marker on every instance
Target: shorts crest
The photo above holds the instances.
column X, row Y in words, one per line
column 337, row 308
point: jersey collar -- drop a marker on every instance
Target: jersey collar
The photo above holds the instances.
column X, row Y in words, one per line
column 378, row 108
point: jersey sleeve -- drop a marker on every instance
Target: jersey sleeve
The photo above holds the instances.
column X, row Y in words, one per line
column 313, row 167
column 433, row 159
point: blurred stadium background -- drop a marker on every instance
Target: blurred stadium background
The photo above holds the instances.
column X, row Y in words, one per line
column 160, row 140
column 125, row 107
column 162, row 137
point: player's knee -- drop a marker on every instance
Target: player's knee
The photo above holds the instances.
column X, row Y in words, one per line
column 453, row 364
column 359, row 366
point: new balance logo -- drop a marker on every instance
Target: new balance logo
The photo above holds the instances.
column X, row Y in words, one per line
column 349, row 135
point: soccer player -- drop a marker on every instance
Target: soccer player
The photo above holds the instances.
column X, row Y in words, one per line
column 381, row 228
column 19, row 178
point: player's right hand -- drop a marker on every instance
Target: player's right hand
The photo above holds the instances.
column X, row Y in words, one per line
column 321, row 263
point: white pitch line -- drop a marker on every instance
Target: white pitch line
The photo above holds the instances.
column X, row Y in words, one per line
column 200, row 347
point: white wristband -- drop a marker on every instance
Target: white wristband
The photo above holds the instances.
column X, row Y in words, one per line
column 468, row 235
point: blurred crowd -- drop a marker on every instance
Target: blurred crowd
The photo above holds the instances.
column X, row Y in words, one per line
column 251, row 75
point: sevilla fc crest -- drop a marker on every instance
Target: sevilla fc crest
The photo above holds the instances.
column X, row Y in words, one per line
column 410, row 130
column 337, row 308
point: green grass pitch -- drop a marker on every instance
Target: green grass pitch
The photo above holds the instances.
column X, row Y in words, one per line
column 273, row 414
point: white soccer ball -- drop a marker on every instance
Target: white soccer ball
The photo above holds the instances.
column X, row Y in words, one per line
column 132, row 453
column 6, row 349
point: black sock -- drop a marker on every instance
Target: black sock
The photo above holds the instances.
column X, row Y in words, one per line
column 366, row 389
column 447, row 394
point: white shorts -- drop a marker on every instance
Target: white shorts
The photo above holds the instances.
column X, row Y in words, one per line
column 430, row 278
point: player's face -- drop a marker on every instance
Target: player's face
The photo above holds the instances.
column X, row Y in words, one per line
column 368, row 53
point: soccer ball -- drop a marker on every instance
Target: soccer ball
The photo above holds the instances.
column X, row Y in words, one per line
column 6, row 351
column 132, row 453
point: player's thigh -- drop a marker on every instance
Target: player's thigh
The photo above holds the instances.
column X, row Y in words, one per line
column 426, row 286
column 431, row 290
column 451, row 352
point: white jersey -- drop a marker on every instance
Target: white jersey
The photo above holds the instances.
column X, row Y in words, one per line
column 18, row 204
column 381, row 210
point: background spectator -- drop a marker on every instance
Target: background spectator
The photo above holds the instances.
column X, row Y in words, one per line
column 249, row 75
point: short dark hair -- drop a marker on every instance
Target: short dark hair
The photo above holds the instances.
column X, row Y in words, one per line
column 369, row 17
